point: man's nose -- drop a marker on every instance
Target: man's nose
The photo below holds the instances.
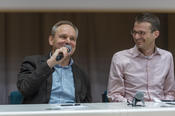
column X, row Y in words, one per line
column 68, row 40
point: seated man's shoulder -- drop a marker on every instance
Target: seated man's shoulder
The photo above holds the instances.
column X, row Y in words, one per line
column 123, row 53
column 35, row 57
column 164, row 52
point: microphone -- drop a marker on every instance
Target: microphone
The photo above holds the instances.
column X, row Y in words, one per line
column 139, row 96
column 60, row 55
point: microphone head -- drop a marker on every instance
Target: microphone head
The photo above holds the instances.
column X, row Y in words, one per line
column 69, row 48
column 139, row 95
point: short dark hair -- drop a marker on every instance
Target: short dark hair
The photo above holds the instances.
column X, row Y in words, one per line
column 151, row 18
column 59, row 23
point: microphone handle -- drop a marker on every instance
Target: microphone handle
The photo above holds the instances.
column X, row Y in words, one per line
column 60, row 56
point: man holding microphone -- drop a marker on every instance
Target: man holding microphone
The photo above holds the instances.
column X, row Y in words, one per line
column 55, row 78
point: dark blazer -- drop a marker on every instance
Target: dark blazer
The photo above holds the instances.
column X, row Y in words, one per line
column 35, row 81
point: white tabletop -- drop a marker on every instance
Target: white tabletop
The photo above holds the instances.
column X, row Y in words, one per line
column 90, row 109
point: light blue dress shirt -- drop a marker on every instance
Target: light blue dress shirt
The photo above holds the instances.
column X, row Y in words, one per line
column 63, row 90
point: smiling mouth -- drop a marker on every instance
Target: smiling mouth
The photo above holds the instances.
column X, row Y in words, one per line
column 139, row 41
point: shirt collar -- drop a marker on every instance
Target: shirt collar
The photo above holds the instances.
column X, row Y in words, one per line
column 68, row 66
column 135, row 52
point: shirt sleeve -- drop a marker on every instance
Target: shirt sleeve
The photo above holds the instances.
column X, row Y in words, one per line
column 116, row 87
column 169, row 85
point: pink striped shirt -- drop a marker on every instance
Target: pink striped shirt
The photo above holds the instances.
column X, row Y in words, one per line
column 131, row 71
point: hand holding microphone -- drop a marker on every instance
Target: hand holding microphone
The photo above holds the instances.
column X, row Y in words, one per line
column 58, row 55
column 61, row 55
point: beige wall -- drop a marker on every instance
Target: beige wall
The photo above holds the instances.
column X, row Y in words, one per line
column 88, row 5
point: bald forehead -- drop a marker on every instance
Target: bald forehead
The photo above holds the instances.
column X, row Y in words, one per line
column 65, row 26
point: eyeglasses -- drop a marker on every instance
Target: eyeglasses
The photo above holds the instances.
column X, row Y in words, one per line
column 141, row 33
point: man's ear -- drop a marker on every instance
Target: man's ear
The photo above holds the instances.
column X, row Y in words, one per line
column 51, row 40
column 156, row 34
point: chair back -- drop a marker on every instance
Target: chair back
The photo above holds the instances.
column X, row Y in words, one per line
column 16, row 97
column 105, row 97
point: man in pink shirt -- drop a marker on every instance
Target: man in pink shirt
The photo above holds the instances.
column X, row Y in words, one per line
column 144, row 67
